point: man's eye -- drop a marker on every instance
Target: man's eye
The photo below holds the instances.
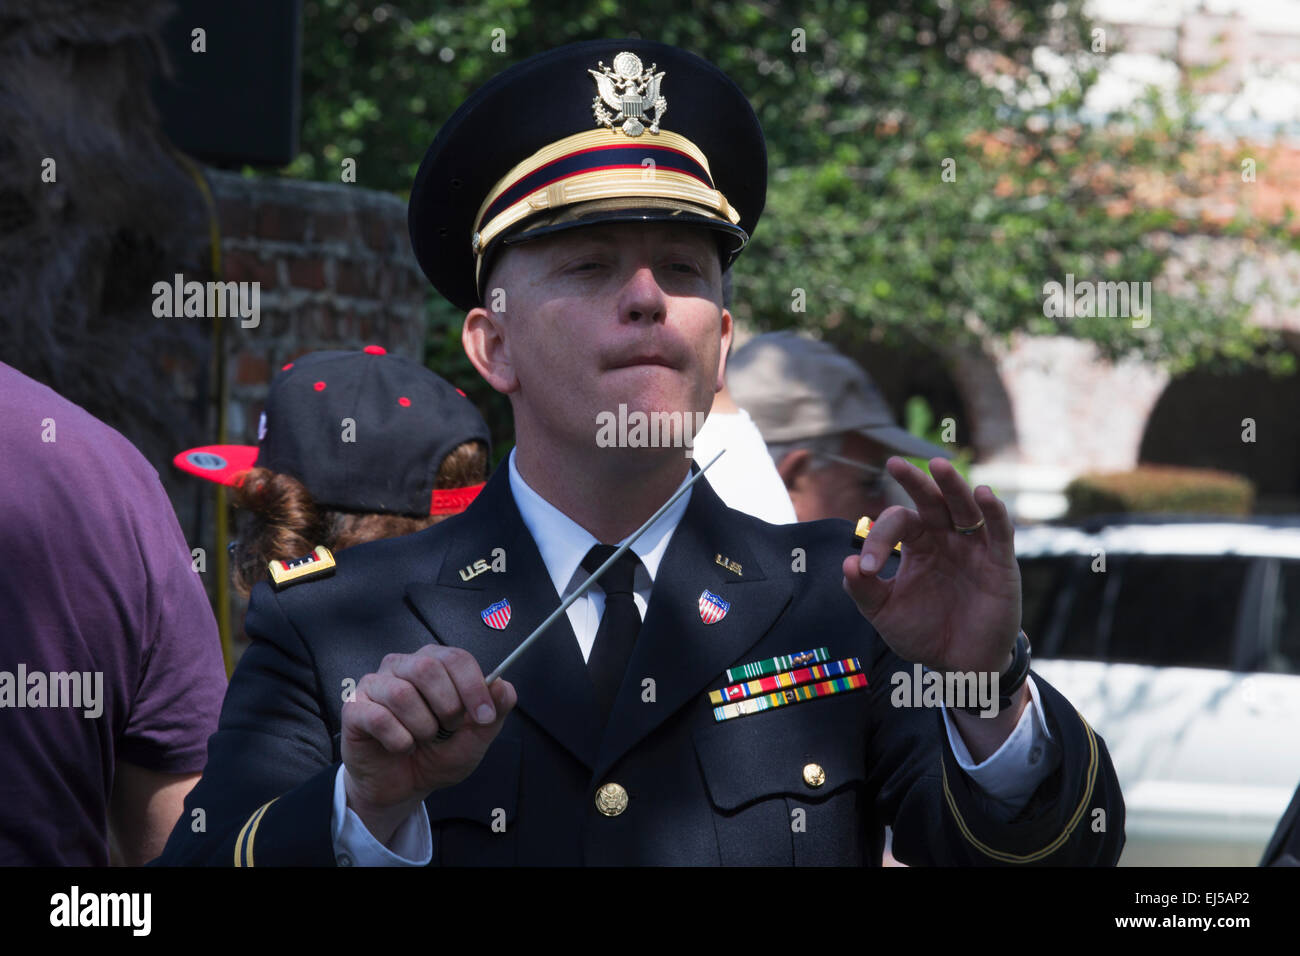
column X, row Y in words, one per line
column 686, row 268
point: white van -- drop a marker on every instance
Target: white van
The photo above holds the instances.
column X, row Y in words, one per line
column 1179, row 641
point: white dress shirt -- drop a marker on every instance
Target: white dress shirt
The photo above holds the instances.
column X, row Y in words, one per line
column 1008, row 777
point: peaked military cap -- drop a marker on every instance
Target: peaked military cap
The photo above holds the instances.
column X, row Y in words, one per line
column 592, row 132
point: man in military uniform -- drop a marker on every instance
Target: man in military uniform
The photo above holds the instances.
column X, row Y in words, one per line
column 582, row 207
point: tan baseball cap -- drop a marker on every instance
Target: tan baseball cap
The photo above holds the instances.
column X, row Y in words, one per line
column 795, row 387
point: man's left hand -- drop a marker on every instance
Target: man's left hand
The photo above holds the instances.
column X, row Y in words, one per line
column 954, row 604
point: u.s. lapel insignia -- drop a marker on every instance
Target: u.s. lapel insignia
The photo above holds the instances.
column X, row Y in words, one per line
column 320, row 563
column 631, row 92
column 712, row 608
column 471, row 571
column 497, row 616
column 727, row 563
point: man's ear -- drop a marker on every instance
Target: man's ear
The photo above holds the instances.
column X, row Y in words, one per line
column 483, row 337
column 727, row 331
column 794, row 466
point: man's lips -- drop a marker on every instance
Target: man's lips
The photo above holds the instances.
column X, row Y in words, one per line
column 648, row 359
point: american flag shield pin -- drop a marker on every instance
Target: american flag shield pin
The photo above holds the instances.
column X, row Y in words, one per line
column 497, row 615
column 712, row 608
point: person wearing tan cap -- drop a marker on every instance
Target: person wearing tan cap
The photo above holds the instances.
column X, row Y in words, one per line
column 827, row 427
column 745, row 477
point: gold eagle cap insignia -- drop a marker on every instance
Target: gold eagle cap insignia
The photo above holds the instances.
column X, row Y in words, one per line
column 631, row 92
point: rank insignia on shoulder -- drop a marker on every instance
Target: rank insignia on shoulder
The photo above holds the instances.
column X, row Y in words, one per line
column 318, row 564
column 860, row 534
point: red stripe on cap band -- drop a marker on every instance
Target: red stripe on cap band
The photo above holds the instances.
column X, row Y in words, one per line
column 575, row 164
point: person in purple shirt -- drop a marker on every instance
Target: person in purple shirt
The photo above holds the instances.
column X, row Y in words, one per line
column 111, row 677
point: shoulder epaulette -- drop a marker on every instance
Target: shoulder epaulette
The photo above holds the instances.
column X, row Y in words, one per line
column 318, row 564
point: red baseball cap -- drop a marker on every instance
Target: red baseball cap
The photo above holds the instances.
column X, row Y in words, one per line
column 363, row 431
column 219, row 463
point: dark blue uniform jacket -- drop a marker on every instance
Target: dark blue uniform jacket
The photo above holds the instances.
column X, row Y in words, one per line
column 1284, row 848
column 699, row 791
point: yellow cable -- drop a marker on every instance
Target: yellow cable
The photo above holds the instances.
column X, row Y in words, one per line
column 221, row 558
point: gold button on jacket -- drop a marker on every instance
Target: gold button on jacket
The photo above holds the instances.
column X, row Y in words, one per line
column 611, row 799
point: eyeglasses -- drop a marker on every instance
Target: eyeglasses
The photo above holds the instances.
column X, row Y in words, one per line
column 874, row 480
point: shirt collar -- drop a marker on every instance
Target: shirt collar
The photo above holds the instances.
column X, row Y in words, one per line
column 563, row 543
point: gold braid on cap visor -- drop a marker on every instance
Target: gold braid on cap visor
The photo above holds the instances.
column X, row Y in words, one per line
column 598, row 164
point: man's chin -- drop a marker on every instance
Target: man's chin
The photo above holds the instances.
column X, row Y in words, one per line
column 650, row 426
column 646, row 383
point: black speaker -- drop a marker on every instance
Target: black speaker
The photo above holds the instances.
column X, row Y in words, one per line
column 233, row 96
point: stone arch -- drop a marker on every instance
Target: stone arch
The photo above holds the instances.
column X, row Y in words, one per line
column 963, row 384
column 992, row 417
column 1198, row 423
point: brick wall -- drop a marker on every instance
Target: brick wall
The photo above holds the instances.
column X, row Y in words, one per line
column 336, row 272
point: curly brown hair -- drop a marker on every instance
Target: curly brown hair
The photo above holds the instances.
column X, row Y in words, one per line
column 280, row 520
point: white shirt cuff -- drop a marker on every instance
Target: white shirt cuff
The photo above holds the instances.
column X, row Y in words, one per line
column 1013, row 772
column 355, row 846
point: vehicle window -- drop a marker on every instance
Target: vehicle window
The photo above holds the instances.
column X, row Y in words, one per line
column 1162, row 610
column 1286, row 653
column 1085, row 602
column 1175, row 610
column 1041, row 582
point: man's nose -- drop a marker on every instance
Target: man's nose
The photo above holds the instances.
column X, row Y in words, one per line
column 643, row 298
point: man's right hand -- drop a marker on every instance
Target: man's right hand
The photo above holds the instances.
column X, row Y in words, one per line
column 392, row 759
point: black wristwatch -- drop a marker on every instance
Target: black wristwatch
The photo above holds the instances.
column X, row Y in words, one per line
column 1011, row 680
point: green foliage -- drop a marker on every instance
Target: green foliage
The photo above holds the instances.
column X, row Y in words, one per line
column 1152, row 489
column 919, row 420
column 859, row 214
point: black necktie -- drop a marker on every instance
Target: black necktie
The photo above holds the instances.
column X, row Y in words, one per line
column 618, row 625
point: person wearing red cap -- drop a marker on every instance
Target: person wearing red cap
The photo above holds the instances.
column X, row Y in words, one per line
column 352, row 447
column 828, row 429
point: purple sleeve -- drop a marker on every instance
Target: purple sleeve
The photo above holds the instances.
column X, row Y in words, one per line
column 182, row 677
